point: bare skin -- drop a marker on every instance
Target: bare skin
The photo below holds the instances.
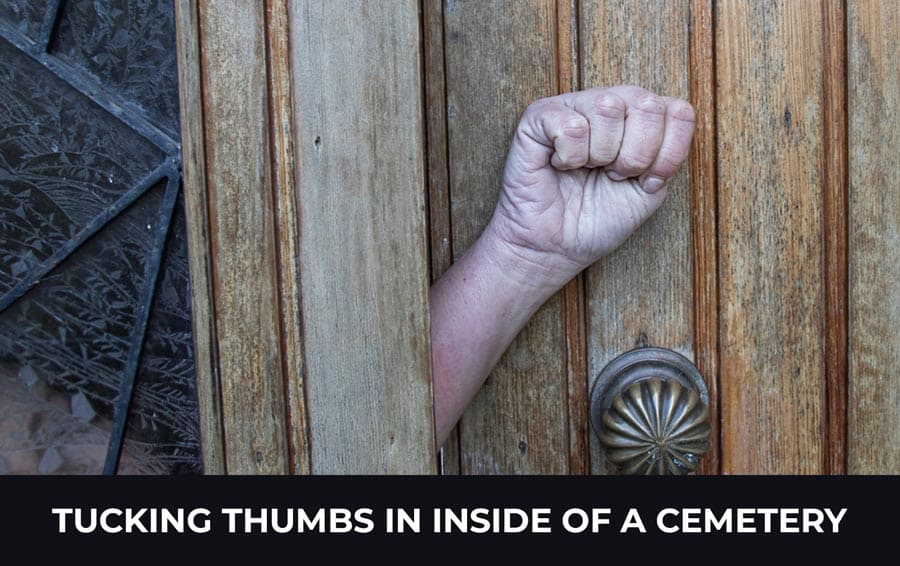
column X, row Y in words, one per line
column 584, row 170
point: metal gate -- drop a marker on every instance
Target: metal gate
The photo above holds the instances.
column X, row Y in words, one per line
column 95, row 319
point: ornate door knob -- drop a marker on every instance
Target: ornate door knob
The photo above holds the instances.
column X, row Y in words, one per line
column 650, row 410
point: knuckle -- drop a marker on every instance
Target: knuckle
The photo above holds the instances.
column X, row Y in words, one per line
column 608, row 105
column 682, row 111
column 575, row 127
column 651, row 103
column 534, row 109
column 635, row 161
column 538, row 107
column 669, row 164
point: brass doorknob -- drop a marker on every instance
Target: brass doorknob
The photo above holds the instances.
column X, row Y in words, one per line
column 650, row 410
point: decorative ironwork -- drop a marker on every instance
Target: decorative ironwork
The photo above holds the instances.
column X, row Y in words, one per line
column 649, row 408
column 94, row 286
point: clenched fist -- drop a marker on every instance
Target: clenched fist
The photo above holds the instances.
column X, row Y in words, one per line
column 585, row 169
column 583, row 172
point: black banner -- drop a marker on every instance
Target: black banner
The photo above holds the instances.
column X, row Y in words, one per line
column 521, row 515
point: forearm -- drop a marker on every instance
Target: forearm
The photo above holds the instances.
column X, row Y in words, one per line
column 477, row 309
column 579, row 179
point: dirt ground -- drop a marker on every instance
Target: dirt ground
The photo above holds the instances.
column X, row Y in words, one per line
column 47, row 431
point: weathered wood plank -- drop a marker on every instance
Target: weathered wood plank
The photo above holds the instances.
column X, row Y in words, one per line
column 770, row 150
column 517, row 423
column 874, row 134
column 197, row 212
column 359, row 154
column 242, row 236
column 835, row 237
column 287, row 232
column 641, row 294
column 438, row 174
column 704, row 211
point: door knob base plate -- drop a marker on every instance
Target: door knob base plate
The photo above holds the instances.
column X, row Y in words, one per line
column 639, row 364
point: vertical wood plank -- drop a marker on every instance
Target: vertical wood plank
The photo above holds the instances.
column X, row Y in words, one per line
column 436, row 127
column 242, row 242
column 835, row 237
column 641, row 294
column 287, row 233
column 438, row 174
column 874, row 123
column 500, row 56
column 704, row 211
column 359, row 156
column 197, row 212
column 769, row 115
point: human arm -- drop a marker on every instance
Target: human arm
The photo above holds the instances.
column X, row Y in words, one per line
column 583, row 171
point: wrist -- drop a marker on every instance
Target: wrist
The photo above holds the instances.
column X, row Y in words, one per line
column 531, row 269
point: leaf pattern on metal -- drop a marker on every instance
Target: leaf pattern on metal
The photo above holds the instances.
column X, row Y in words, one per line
column 94, row 286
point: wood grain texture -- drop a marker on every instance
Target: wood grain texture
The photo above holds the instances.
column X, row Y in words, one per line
column 287, row 232
column 641, row 294
column 197, row 213
column 242, row 236
column 500, row 56
column 770, row 149
column 874, row 164
column 359, row 154
column 835, row 237
column 436, row 128
column 704, row 211
column 439, row 225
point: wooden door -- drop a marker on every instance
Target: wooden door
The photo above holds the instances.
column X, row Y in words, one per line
column 745, row 269
column 772, row 265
